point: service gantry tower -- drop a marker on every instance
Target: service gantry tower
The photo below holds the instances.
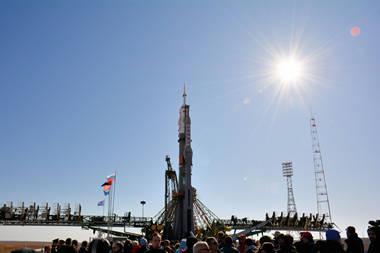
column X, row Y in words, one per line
column 287, row 171
column 323, row 204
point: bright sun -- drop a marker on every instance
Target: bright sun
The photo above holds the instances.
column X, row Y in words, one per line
column 289, row 70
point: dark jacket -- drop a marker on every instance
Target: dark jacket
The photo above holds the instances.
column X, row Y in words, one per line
column 330, row 247
column 374, row 247
column 354, row 244
column 158, row 250
column 285, row 248
column 305, row 247
column 229, row 249
column 143, row 249
column 66, row 249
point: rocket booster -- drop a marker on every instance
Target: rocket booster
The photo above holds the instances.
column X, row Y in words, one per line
column 185, row 222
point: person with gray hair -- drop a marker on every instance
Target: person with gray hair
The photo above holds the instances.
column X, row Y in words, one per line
column 201, row 247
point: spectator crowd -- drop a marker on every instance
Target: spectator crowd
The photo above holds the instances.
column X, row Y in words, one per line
column 280, row 243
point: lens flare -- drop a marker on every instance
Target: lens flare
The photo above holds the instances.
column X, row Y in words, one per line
column 355, row 31
column 289, row 70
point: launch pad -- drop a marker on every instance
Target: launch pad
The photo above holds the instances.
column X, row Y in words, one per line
column 183, row 213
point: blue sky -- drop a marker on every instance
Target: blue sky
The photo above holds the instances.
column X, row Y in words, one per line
column 90, row 87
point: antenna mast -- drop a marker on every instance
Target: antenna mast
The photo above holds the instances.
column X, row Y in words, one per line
column 287, row 171
column 323, row 204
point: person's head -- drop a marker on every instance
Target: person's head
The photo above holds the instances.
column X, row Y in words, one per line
column 176, row 246
column 265, row 239
column 281, row 239
column 117, row 247
column 350, row 231
column 182, row 244
column 143, row 242
column 289, row 239
column 267, row 247
column 128, row 246
column 201, row 247
column 47, row 249
column 212, row 244
column 190, row 241
column 55, row 242
column 373, row 233
column 332, row 235
column 220, row 235
column 228, row 240
column 68, row 242
column 306, row 237
column 249, row 242
column 165, row 243
column 75, row 243
column 276, row 234
column 61, row 243
column 156, row 240
column 84, row 244
column 99, row 246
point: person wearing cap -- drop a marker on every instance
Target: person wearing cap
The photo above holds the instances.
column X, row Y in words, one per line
column 332, row 243
column 306, row 244
column 353, row 242
column 143, row 245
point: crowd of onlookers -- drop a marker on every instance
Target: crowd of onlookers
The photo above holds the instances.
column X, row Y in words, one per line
column 222, row 243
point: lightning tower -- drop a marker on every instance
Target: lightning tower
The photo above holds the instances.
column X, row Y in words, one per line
column 184, row 221
column 323, row 204
column 287, row 171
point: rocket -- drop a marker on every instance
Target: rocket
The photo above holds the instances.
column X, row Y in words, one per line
column 184, row 222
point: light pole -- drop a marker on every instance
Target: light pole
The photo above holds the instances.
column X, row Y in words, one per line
column 142, row 202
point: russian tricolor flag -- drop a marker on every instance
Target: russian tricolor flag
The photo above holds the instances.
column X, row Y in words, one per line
column 111, row 177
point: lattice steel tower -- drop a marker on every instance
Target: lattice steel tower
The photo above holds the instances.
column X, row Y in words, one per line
column 287, row 171
column 323, row 204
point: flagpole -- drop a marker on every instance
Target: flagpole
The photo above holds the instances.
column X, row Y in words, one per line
column 113, row 198
column 109, row 216
column 104, row 200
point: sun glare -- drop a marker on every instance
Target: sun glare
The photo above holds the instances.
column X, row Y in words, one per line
column 289, row 70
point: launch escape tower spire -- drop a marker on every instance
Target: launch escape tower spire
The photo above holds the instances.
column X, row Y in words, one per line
column 287, row 171
column 184, row 221
column 323, row 204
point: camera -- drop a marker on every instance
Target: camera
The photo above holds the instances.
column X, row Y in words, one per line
column 374, row 223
